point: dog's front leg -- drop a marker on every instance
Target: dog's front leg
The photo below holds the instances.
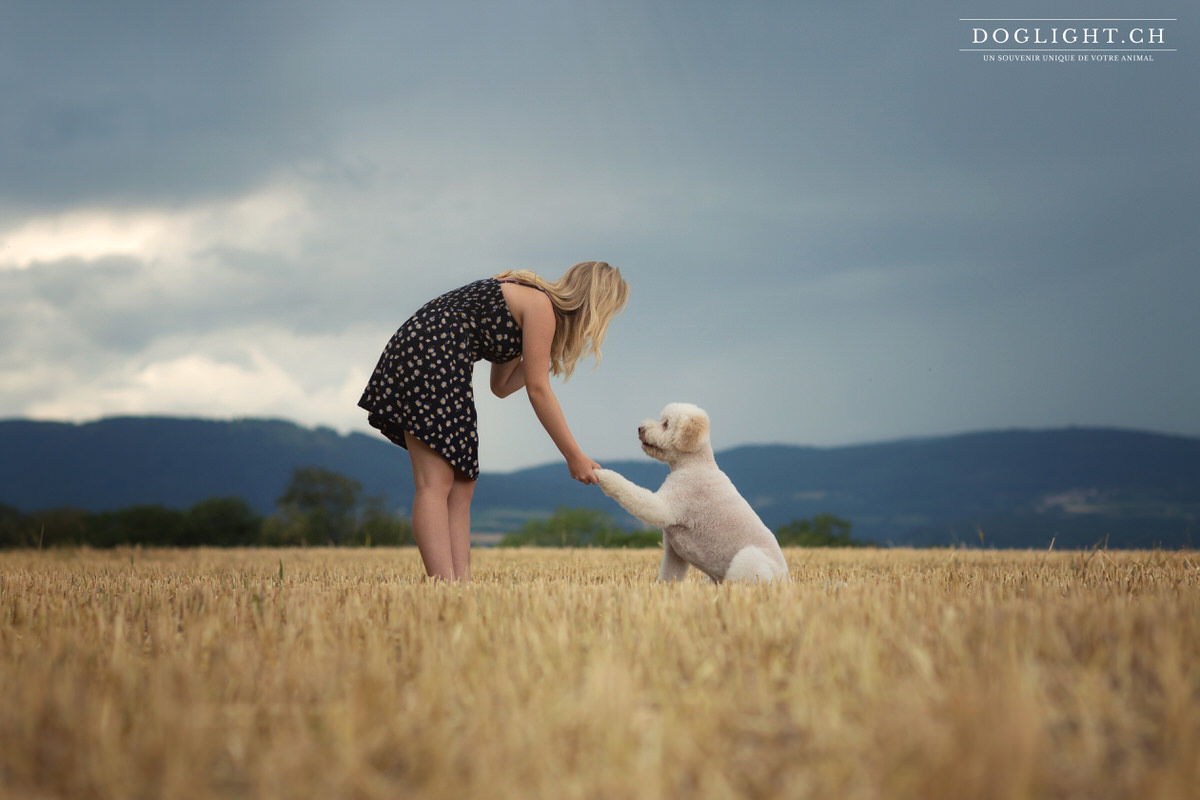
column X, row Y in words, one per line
column 644, row 504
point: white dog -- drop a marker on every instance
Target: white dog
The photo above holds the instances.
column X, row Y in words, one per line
column 705, row 522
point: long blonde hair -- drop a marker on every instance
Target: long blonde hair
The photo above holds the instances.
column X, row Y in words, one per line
column 585, row 300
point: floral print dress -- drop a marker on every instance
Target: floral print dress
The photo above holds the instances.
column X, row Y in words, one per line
column 422, row 383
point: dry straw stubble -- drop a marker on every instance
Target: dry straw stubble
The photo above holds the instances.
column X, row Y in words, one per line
column 559, row 673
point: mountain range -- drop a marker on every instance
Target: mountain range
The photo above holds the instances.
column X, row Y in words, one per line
column 1073, row 487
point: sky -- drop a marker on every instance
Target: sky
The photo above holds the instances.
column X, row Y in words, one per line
column 840, row 222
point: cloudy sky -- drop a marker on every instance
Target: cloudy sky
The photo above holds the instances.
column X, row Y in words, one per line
column 838, row 226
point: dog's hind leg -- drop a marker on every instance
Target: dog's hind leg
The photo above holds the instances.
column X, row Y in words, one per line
column 752, row 564
column 673, row 568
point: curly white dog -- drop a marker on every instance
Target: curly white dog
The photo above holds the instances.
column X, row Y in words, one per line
column 705, row 522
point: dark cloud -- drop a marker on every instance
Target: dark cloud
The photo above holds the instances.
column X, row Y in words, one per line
column 821, row 207
column 145, row 102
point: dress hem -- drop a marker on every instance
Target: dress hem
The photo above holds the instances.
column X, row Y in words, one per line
column 387, row 427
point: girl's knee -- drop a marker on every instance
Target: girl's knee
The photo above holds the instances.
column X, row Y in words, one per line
column 461, row 493
column 433, row 490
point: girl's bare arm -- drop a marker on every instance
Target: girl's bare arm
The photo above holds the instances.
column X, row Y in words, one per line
column 507, row 377
column 537, row 331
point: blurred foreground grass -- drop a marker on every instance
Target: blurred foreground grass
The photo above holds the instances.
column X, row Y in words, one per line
column 571, row 674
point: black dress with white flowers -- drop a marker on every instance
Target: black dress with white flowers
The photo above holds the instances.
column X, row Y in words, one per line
column 422, row 383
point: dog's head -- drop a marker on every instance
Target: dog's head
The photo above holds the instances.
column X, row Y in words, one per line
column 682, row 429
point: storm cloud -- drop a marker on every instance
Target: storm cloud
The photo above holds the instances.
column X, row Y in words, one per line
column 838, row 225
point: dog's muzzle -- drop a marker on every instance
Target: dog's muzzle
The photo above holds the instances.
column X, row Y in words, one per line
column 646, row 444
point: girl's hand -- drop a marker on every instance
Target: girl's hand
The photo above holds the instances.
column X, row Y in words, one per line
column 582, row 469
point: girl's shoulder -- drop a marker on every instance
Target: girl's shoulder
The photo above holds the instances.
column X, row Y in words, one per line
column 527, row 306
column 518, row 283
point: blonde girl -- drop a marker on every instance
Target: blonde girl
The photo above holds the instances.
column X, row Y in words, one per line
column 420, row 394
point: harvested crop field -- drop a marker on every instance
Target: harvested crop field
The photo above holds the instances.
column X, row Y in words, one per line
column 572, row 674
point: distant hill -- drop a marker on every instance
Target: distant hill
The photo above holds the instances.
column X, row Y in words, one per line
column 1076, row 486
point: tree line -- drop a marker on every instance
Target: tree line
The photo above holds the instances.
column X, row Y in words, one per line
column 319, row 507
column 588, row 527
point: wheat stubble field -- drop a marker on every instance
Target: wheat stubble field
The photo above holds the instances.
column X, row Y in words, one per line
column 565, row 674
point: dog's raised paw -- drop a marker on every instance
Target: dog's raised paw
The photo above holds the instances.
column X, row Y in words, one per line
column 605, row 479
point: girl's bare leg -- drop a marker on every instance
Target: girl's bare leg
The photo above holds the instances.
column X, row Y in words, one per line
column 460, row 526
column 433, row 480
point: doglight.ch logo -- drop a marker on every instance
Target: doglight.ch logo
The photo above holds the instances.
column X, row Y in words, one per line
column 1068, row 40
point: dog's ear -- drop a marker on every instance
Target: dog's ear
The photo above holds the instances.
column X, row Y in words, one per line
column 691, row 433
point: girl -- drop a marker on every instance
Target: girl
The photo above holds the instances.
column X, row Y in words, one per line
column 420, row 394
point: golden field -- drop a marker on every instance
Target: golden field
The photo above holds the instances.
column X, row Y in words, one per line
column 572, row 674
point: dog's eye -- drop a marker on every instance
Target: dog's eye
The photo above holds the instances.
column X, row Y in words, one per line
column 664, row 424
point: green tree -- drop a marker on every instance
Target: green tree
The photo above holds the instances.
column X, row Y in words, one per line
column 378, row 527
column 578, row 527
column 566, row 527
column 619, row 539
column 11, row 533
column 222, row 522
column 823, row 530
column 284, row 529
column 318, row 506
column 58, row 527
column 147, row 525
